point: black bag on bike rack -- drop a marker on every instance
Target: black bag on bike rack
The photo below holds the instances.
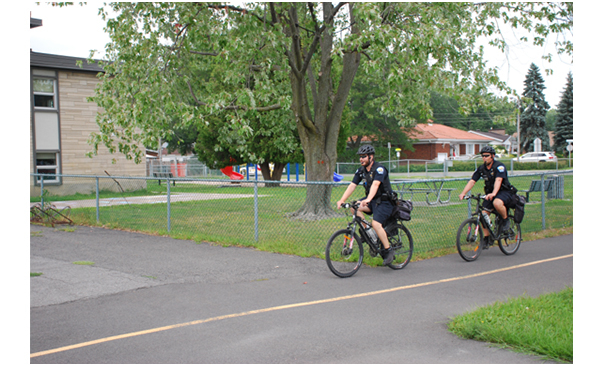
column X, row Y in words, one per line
column 402, row 210
column 519, row 208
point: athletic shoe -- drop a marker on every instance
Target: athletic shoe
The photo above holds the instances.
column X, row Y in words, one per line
column 388, row 256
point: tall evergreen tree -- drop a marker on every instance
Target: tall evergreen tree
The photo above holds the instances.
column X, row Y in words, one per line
column 564, row 119
column 533, row 118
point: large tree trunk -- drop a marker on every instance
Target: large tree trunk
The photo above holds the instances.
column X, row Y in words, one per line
column 319, row 131
column 269, row 175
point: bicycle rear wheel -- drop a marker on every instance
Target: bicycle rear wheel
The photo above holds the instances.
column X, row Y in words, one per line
column 510, row 241
column 401, row 242
column 344, row 253
column 469, row 239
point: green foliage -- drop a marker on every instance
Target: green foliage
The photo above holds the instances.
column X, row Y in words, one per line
column 564, row 118
column 244, row 74
column 542, row 325
column 533, row 117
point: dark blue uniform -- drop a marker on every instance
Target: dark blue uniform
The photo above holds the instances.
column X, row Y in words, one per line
column 489, row 177
column 381, row 207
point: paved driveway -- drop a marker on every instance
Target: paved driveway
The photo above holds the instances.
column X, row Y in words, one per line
column 151, row 299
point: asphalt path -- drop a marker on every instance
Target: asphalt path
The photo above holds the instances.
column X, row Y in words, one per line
column 151, row 299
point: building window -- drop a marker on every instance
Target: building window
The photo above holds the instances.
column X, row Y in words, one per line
column 470, row 149
column 44, row 93
column 47, row 163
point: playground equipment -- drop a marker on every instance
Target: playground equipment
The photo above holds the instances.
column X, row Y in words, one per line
column 228, row 171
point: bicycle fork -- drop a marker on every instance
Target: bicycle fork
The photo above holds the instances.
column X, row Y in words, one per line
column 473, row 232
column 349, row 241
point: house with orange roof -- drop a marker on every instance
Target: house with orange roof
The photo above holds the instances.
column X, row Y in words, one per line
column 433, row 141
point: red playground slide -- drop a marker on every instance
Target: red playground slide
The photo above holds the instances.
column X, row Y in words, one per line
column 228, row 171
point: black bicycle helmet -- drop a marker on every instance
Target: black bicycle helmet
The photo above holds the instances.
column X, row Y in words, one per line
column 366, row 149
column 488, row 149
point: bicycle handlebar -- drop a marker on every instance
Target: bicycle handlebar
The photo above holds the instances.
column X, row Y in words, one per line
column 353, row 204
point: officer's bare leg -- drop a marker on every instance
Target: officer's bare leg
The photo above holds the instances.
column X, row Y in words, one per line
column 378, row 227
column 500, row 208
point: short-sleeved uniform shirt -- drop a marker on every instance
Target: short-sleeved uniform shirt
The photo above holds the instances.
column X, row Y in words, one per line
column 489, row 177
column 380, row 208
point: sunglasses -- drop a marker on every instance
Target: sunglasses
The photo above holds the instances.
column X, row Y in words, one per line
column 364, row 156
column 485, row 156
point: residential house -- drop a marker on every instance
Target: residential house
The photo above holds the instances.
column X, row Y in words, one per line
column 61, row 120
column 500, row 139
column 433, row 141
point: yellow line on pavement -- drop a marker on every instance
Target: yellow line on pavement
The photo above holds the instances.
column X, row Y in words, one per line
column 288, row 306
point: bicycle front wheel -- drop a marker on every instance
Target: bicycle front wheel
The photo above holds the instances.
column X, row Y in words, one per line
column 344, row 253
column 401, row 242
column 469, row 239
column 510, row 241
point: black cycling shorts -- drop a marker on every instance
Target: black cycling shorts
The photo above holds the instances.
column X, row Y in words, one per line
column 505, row 195
column 382, row 211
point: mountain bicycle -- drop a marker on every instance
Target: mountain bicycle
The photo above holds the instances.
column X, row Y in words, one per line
column 344, row 252
column 469, row 238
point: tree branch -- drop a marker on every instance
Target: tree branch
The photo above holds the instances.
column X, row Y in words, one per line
column 214, row 54
column 258, row 109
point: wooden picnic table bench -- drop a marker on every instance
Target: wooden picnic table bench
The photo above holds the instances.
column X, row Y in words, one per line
column 536, row 186
column 432, row 189
column 163, row 175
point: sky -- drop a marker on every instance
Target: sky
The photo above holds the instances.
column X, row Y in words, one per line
column 75, row 30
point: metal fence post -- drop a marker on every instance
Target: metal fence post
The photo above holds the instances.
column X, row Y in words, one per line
column 97, row 201
column 168, row 205
column 255, row 211
column 42, row 190
column 470, row 210
column 543, row 202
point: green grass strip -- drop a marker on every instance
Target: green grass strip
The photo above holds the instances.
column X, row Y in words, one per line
column 542, row 325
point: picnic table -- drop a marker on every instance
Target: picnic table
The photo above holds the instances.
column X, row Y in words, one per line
column 433, row 190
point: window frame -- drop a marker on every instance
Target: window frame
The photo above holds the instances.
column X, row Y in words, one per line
column 42, row 93
column 55, row 167
column 470, row 149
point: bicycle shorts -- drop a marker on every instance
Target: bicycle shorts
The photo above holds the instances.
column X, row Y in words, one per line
column 505, row 195
column 381, row 212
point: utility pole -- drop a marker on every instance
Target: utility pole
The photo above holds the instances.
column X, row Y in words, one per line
column 518, row 129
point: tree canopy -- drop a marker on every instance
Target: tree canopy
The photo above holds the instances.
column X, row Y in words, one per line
column 564, row 118
column 533, row 117
column 195, row 63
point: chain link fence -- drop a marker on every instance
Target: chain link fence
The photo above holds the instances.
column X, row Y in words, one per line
column 260, row 214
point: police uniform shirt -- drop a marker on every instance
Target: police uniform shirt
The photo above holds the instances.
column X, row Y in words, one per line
column 490, row 175
column 378, row 172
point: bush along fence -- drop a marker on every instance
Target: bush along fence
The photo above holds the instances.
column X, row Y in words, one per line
column 260, row 214
column 449, row 166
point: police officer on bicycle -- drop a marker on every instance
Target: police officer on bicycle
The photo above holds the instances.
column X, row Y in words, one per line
column 377, row 200
column 499, row 195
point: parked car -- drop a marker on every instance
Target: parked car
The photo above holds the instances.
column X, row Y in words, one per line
column 537, row 157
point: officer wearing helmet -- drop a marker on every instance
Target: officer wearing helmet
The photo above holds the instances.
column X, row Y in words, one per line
column 378, row 194
column 499, row 195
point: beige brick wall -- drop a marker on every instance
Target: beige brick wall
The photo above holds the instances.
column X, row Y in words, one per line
column 77, row 121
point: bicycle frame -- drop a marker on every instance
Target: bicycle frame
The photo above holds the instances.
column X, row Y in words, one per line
column 494, row 234
column 375, row 247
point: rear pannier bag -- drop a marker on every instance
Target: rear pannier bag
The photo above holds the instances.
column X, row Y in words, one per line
column 402, row 210
column 519, row 208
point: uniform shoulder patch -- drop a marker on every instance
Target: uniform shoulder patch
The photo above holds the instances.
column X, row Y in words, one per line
column 380, row 170
column 501, row 168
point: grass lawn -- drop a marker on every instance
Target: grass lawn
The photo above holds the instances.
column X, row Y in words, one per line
column 232, row 221
column 542, row 325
